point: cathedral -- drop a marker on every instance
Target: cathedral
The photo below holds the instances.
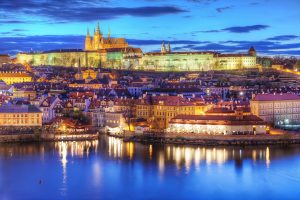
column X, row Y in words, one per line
column 98, row 42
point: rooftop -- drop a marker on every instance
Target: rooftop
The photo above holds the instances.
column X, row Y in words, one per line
column 13, row 108
column 276, row 97
column 218, row 119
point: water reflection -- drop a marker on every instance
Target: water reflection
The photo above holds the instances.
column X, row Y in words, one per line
column 181, row 156
column 186, row 156
column 110, row 168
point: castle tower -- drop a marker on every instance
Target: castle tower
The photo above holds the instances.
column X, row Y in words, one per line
column 88, row 41
column 252, row 51
column 163, row 48
column 169, row 48
column 97, row 37
column 108, row 35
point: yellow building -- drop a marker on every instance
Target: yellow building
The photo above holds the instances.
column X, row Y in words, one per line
column 20, row 115
column 89, row 74
column 15, row 77
column 160, row 110
column 29, row 94
column 99, row 42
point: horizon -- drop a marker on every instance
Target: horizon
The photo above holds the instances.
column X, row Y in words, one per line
column 225, row 26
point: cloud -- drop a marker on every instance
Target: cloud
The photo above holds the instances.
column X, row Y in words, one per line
column 18, row 30
column 239, row 29
column 221, row 9
column 254, row 3
column 203, row 1
column 15, row 32
column 159, row 42
column 12, row 22
column 283, row 37
column 245, row 29
column 77, row 10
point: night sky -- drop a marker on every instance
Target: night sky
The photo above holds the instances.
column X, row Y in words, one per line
column 271, row 26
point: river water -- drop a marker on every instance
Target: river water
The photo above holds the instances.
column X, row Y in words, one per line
column 112, row 169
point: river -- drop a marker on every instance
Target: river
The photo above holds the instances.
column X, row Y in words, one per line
column 111, row 169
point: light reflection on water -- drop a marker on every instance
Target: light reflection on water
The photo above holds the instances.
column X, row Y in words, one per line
column 100, row 166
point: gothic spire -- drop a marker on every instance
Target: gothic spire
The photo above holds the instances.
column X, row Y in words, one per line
column 163, row 47
column 169, row 47
column 98, row 28
column 108, row 35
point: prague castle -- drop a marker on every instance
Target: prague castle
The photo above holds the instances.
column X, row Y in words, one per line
column 116, row 53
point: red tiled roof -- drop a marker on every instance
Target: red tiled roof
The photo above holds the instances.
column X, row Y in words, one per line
column 276, row 97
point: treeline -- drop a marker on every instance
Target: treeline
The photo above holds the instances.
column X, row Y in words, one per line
column 287, row 62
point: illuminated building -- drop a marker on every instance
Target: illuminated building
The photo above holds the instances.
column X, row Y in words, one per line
column 20, row 115
column 4, row 59
column 89, row 74
column 196, row 61
column 277, row 109
column 94, row 84
column 217, row 124
column 28, row 94
column 99, row 42
column 15, row 77
column 116, row 53
column 160, row 110
column 114, row 122
column 177, row 61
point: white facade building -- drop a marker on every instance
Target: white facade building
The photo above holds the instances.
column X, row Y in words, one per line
column 217, row 125
column 277, row 109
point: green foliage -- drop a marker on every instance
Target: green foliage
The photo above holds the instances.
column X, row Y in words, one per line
column 78, row 115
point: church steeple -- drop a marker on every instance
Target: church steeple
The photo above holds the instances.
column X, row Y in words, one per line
column 88, row 41
column 108, row 35
column 97, row 37
column 169, row 48
column 98, row 29
column 163, row 48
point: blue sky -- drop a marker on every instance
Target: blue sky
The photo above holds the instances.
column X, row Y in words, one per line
column 271, row 26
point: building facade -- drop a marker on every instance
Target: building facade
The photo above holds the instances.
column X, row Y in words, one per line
column 158, row 111
column 15, row 77
column 20, row 115
column 277, row 109
column 217, row 125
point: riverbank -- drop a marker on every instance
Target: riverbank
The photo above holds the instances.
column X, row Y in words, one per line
column 179, row 139
column 218, row 140
column 10, row 138
column 18, row 138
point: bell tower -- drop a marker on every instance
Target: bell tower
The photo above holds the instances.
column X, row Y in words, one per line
column 163, row 48
column 97, row 37
column 252, row 52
